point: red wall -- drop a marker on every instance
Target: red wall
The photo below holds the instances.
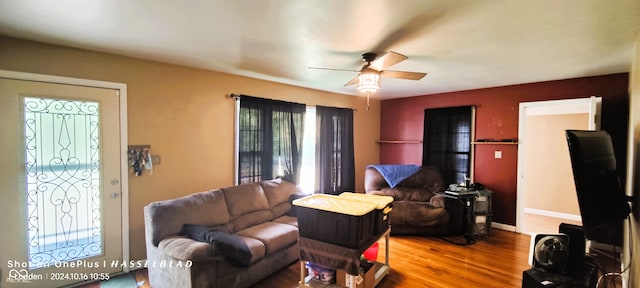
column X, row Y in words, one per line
column 497, row 118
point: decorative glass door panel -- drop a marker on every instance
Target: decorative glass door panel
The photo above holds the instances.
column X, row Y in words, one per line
column 63, row 173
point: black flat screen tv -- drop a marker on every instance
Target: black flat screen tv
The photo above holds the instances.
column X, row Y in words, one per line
column 601, row 198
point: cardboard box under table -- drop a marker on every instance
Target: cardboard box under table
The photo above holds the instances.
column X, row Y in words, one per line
column 346, row 262
column 368, row 277
column 336, row 220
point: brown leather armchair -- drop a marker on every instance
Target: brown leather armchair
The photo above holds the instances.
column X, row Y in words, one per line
column 419, row 208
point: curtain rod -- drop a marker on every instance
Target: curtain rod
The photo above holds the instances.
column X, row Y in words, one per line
column 354, row 109
column 238, row 96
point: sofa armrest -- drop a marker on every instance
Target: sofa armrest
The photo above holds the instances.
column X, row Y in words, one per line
column 376, row 192
column 298, row 195
column 438, row 200
column 414, row 213
column 183, row 248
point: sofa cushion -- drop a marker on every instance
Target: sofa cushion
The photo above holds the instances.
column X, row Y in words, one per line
column 281, row 209
column 289, row 220
column 204, row 208
column 250, row 219
column 405, row 193
column 275, row 236
column 417, row 214
column 183, row 248
column 278, row 193
column 228, row 245
column 245, row 198
column 428, row 178
column 257, row 248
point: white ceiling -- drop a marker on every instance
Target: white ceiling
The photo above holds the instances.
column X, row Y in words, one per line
column 462, row 44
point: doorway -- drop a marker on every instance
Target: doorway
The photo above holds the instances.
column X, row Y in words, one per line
column 63, row 157
column 546, row 193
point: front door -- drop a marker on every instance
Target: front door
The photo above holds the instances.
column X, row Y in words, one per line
column 60, row 183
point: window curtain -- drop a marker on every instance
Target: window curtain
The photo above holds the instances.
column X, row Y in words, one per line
column 269, row 139
column 447, row 142
column 335, row 169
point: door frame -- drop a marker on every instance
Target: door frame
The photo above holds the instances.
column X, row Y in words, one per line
column 124, row 166
column 592, row 104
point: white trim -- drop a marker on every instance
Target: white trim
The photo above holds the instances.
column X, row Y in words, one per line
column 553, row 214
column 472, row 161
column 505, row 227
column 566, row 106
column 591, row 105
column 236, row 140
column 124, row 176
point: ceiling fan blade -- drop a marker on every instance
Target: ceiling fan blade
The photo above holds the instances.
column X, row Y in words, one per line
column 387, row 60
column 352, row 82
column 333, row 69
column 403, row 74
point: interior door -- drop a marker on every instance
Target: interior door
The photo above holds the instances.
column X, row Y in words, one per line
column 546, row 191
column 60, row 184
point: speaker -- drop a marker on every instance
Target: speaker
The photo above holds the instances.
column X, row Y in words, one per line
column 549, row 252
column 576, row 245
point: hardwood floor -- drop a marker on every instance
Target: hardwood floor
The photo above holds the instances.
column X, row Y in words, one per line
column 142, row 278
column 496, row 260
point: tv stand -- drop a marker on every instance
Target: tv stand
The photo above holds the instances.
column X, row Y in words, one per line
column 586, row 276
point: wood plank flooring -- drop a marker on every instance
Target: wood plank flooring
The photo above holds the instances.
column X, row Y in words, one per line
column 496, row 260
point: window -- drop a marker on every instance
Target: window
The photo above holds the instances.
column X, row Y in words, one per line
column 271, row 143
column 447, row 142
column 307, row 171
column 334, row 150
column 269, row 139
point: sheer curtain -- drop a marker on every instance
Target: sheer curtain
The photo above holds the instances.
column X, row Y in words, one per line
column 447, row 141
column 335, row 169
column 269, row 139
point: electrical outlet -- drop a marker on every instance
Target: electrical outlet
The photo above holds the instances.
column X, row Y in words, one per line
column 497, row 154
column 156, row 159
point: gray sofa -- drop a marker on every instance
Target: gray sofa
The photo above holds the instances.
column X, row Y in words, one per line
column 259, row 214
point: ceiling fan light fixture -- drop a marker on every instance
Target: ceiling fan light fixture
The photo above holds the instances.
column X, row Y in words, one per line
column 368, row 82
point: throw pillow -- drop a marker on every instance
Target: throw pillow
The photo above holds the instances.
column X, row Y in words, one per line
column 228, row 245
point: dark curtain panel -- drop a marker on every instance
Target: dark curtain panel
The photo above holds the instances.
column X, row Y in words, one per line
column 270, row 139
column 447, row 142
column 335, row 168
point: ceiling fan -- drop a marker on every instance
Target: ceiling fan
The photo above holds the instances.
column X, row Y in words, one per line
column 368, row 78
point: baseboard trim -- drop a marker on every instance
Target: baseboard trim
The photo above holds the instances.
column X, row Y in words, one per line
column 505, row 227
column 553, row 214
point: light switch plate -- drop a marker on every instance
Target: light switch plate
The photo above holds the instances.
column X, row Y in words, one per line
column 497, row 154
